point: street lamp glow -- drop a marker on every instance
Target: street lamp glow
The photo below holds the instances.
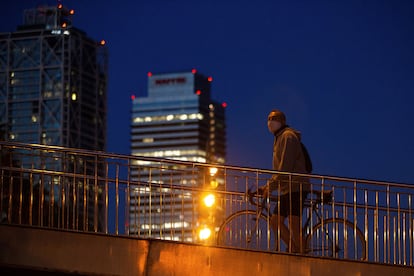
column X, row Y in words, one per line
column 209, row 200
column 204, row 233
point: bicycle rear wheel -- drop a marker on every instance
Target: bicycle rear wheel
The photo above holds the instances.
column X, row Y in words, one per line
column 336, row 238
column 246, row 229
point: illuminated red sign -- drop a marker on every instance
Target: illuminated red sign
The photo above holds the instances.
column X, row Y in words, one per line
column 170, row 81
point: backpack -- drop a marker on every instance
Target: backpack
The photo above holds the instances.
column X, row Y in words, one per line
column 308, row 161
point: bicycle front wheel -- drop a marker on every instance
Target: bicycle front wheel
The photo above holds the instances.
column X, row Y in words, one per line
column 336, row 238
column 246, row 229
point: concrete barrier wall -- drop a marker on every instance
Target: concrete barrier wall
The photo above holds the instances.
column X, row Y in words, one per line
column 88, row 254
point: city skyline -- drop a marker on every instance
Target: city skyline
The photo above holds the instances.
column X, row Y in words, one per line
column 342, row 72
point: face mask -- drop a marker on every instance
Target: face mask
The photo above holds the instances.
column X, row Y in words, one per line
column 274, row 126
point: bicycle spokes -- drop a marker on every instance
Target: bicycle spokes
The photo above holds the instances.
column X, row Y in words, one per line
column 336, row 238
column 246, row 229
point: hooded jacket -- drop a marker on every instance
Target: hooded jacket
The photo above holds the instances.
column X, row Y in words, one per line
column 288, row 157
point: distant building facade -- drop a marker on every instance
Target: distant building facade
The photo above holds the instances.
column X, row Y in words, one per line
column 53, row 89
column 177, row 120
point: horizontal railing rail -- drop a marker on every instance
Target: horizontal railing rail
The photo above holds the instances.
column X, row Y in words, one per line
column 93, row 191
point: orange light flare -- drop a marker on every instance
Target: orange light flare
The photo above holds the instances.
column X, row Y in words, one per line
column 60, row 6
column 210, row 79
column 72, row 12
column 103, row 42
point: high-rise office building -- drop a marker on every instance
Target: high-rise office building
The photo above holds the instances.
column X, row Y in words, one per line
column 53, row 82
column 179, row 120
column 53, row 86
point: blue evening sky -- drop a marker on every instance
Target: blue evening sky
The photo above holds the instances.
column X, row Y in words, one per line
column 342, row 71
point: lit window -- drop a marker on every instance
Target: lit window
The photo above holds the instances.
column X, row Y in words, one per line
column 74, row 96
column 148, row 140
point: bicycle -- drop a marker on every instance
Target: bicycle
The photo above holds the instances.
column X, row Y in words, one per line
column 327, row 237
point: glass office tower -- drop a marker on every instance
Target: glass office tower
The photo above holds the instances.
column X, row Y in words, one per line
column 53, row 82
column 53, row 85
column 177, row 120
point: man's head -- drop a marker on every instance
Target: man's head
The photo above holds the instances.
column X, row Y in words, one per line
column 276, row 120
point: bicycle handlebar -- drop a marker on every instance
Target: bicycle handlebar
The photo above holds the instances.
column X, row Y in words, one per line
column 258, row 195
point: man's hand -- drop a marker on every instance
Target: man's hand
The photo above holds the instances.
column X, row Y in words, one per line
column 264, row 190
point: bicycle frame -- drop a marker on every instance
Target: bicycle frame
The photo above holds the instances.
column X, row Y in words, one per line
column 327, row 237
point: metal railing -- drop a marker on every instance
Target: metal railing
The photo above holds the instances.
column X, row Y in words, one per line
column 81, row 190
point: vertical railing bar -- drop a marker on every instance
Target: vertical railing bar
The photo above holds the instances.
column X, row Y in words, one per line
column 127, row 198
column 355, row 220
column 404, row 250
column 75, row 190
column 398, row 228
column 31, row 200
column 386, row 229
column 345, row 217
column 334, row 214
column 52, row 202
column 376, row 224
column 394, row 233
column 367, row 243
column 42, row 199
column 85, row 190
column 411, row 230
column 150, row 202
column 2, row 181
column 106, row 202
column 117, row 199
column 95, row 196
column 19, row 211
column 388, row 221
